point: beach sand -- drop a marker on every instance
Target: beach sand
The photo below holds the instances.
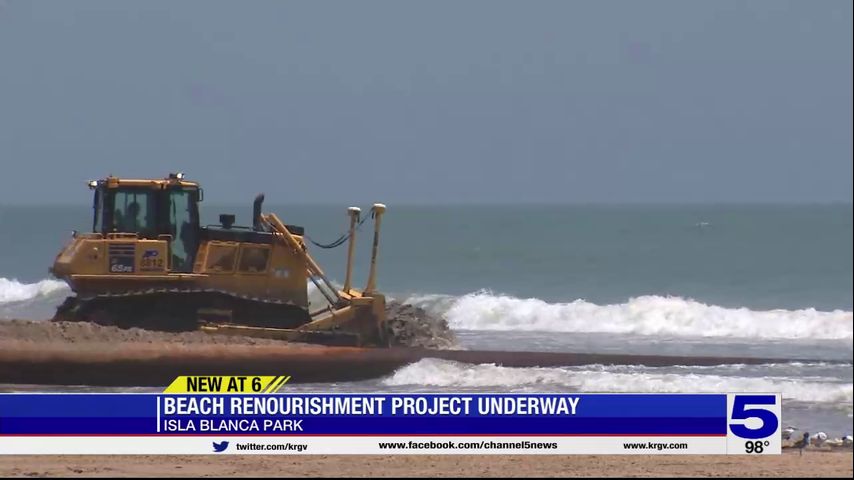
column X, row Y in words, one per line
column 410, row 327
column 789, row 464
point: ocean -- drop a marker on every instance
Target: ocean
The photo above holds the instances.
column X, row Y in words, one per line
column 739, row 280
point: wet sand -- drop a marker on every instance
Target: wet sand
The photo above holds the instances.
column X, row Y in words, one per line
column 82, row 353
column 69, row 334
column 790, row 464
column 49, row 353
column 410, row 326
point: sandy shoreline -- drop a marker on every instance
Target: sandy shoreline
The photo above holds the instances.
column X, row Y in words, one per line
column 409, row 326
column 790, row 464
column 89, row 334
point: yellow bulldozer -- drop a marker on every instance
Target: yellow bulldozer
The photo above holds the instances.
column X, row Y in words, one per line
column 149, row 263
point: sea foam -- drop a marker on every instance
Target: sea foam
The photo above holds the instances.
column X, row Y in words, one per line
column 623, row 379
column 646, row 315
column 12, row 290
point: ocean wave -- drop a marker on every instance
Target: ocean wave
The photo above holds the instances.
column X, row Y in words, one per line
column 483, row 310
column 646, row 315
column 599, row 379
column 13, row 291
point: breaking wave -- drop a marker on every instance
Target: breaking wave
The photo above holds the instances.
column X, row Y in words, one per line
column 30, row 300
column 483, row 310
column 626, row 379
column 15, row 291
column 646, row 315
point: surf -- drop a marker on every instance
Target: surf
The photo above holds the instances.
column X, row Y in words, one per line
column 650, row 315
column 624, row 379
column 643, row 315
column 12, row 290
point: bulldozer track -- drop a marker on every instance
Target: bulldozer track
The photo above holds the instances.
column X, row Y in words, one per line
column 149, row 291
column 178, row 309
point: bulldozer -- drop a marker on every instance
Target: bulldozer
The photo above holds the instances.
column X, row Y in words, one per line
column 149, row 263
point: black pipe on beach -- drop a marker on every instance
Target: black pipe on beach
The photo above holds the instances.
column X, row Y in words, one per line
column 147, row 365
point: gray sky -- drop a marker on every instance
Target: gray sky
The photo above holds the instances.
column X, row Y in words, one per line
column 431, row 101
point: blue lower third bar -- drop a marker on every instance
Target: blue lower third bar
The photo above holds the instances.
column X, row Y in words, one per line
column 376, row 414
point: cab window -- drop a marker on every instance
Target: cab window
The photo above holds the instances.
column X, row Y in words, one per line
column 134, row 211
column 254, row 259
column 182, row 228
column 221, row 257
column 98, row 206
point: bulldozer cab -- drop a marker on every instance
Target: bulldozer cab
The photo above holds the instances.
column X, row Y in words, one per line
column 151, row 209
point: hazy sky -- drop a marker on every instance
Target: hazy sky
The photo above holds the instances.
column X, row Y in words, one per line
column 431, row 101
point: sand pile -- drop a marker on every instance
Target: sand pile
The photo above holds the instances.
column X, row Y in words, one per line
column 410, row 326
column 43, row 331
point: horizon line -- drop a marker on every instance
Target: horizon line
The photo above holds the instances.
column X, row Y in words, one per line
column 828, row 203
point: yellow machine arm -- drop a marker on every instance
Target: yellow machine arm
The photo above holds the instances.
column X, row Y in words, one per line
column 313, row 269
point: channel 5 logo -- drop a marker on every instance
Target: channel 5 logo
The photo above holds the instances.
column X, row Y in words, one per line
column 757, row 416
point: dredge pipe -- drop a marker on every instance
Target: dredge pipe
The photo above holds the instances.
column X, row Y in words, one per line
column 148, row 365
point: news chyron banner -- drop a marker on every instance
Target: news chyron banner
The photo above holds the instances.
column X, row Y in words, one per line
column 251, row 415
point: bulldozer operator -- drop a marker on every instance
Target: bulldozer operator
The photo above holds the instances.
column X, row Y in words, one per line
column 128, row 221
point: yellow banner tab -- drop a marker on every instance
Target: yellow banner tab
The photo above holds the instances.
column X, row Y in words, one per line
column 226, row 384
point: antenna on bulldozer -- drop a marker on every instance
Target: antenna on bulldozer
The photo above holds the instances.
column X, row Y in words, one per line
column 377, row 211
column 353, row 212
